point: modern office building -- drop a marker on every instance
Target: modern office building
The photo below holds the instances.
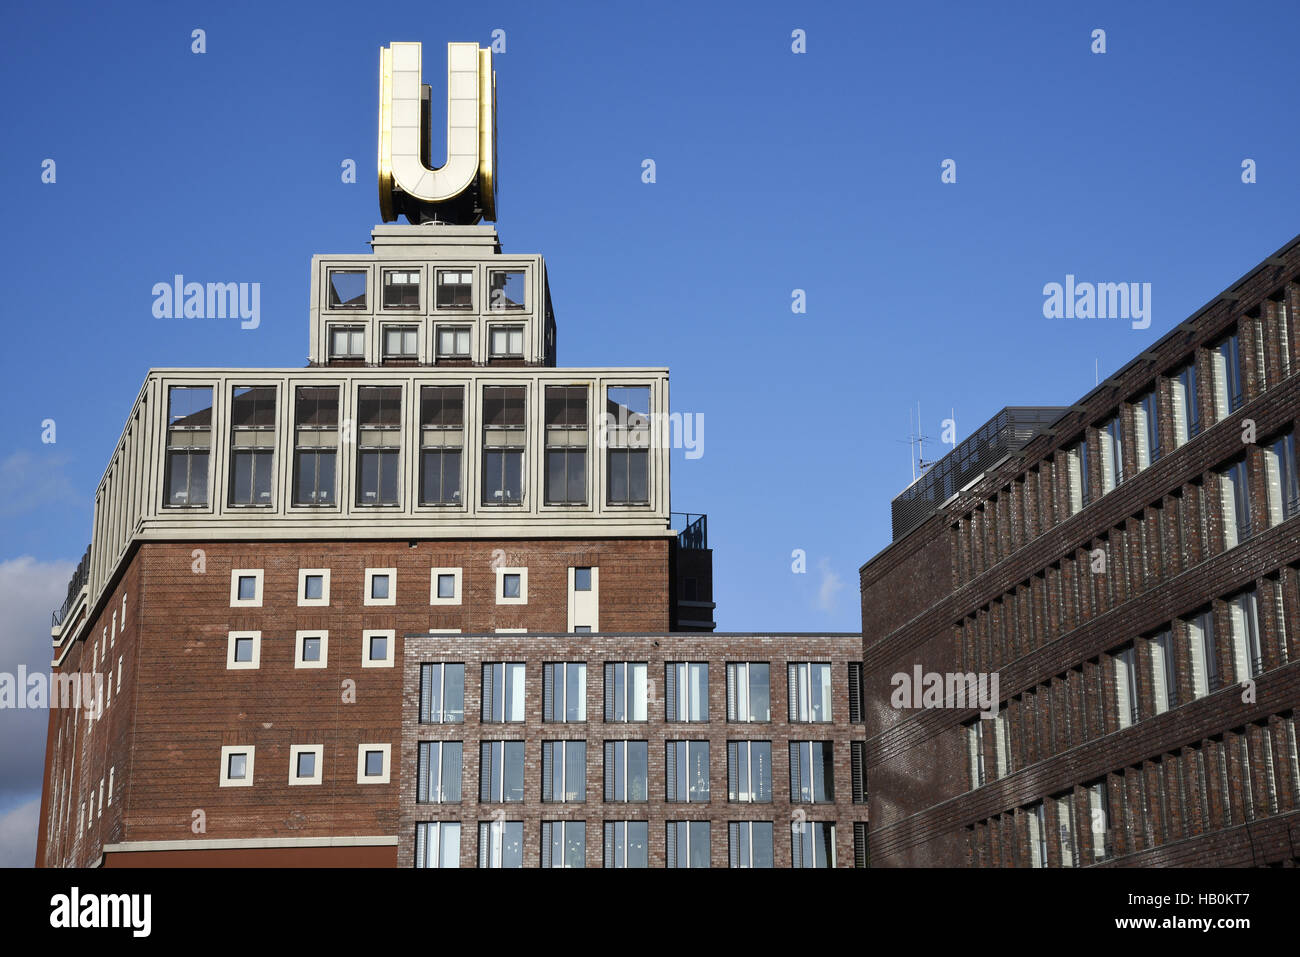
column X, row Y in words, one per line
column 1128, row 567
column 424, row 601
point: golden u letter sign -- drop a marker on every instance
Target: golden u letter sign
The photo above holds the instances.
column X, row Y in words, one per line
column 463, row 190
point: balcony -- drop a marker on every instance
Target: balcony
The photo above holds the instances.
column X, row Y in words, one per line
column 692, row 530
column 75, row 585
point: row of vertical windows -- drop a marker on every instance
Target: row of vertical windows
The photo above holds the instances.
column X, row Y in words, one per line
column 627, row 844
column 454, row 289
column 378, row 435
column 627, row 690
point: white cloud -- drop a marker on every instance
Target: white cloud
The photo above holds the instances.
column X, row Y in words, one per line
column 831, row 584
column 29, row 591
column 18, row 835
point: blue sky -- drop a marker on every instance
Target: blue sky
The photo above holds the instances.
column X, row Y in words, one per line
column 775, row 171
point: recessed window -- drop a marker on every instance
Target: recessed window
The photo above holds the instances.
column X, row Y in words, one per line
column 246, row 588
column 252, row 445
column 311, row 649
column 749, row 691
column 237, row 766
column 373, row 763
column 512, row 586
column 437, row 844
column 444, row 586
column 564, row 691
column 1186, row 404
column 582, row 579
column 1146, row 429
column 316, row 440
column 401, row 289
column 504, row 439
column 305, row 763
column 687, row 770
column 503, row 692
column 627, row 771
column 567, row 433
column 381, row 586
column 314, row 587
column 379, row 444
column 626, row 691
column 453, row 342
column 686, row 690
column 506, row 342
column 442, row 693
column 812, row 843
column 749, row 771
column 455, row 289
column 401, row 342
column 564, row 771
column 500, row 843
column 347, row 342
column 1282, row 482
column 627, row 844
column 347, row 289
column 564, row 844
column 809, row 692
column 1235, row 497
column 243, row 650
column 625, row 430
column 189, row 442
column 749, row 844
column 506, row 290
column 438, row 772
column 812, row 772
column 1225, row 361
column 377, row 648
column 442, row 441
column 687, row 844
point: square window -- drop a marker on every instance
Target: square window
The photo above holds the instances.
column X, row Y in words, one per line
column 381, row 586
column 582, row 579
column 313, row 587
column 305, row 763
column 373, row 763
column 377, row 648
column 444, row 586
column 401, row 289
column 236, row 766
column 507, row 341
column 347, row 342
column 244, row 650
column 347, row 289
column 312, row 649
column 401, row 342
column 455, row 289
column 506, row 290
column 246, row 588
column 453, row 342
column 512, row 586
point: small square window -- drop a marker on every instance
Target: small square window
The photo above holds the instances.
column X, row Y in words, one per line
column 347, row 342
column 582, row 579
column 381, row 586
column 313, row 587
column 507, row 341
column 453, row 342
column 244, row 650
column 512, row 586
column 313, row 649
column 401, row 342
column 373, row 763
column 444, row 586
column 377, row 648
column 246, row 588
column 236, row 766
column 305, row 763
column 347, row 289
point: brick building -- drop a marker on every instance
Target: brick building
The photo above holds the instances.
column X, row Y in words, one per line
column 1129, row 568
column 281, row 558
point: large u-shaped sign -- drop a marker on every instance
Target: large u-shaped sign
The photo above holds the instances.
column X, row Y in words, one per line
column 465, row 186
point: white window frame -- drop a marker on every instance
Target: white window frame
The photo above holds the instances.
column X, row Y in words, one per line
column 296, row 749
column 387, row 661
column 392, row 586
column 232, row 642
column 248, row 751
column 501, row 574
column 362, row 777
column 324, row 636
column 235, row 575
column 303, row 600
column 433, row 586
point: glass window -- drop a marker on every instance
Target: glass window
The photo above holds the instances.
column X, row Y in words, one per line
column 813, row 843
column 627, row 771
column 252, row 444
column 189, row 441
column 1225, row 359
column 1235, row 499
column 1146, row 430
column 442, row 439
column 446, row 586
column 501, row 771
column 1186, row 404
column 503, row 692
column 306, row 764
column 379, row 443
column 453, row 342
column 506, row 342
column 1247, row 655
column 247, row 588
column 582, row 579
column 316, row 440
column 625, row 691
column 347, row 289
column 566, row 445
column 455, row 289
column 237, row 767
column 687, row 690
column 1283, row 483
column 438, row 772
column 401, row 289
column 688, row 843
column 437, row 844
column 564, row 771
column 627, row 844
column 374, row 764
column 311, row 649
column 1165, row 678
column 347, row 342
column 564, row 844
column 442, row 693
column 1126, row 687
column 1203, row 654
column 749, row 771
column 503, row 445
column 401, row 342
column 244, row 649
column 749, row 691
column 749, row 843
column 626, row 432
column 313, row 587
column 506, row 289
column 510, row 585
column 1110, row 438
column 501, row 844
column 564, row 691
column 687, row 767
column 810, row 691
column 812, row 772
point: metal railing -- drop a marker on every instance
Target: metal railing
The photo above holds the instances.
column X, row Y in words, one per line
column 694, row 533
column 75, row 585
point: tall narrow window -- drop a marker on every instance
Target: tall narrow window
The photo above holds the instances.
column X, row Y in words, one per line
column 688, row 844
column 627, row 844
column 1203, row 654
column 812, row 772
column 501, row 771
column 500, row 843
column 438, row 772
column 749, row 771
column 686, row 768
column 749, row 691
column 1247, row 655
column 401, row 289
column 564, row 691
column 437, row 844
column 1164, row 677
column 503, row 692
column 1099, row 824
column 1110, row 437
column 809, row 691
column 1186, row 404
column 315, row 442
column 564, row 771
column 975, row 753
column 627, row 771
column 1146, row 429
column 1037, row 821
column 686, row 692
column 379, row 444
column 749, row 843
column 189, row 442
column 504, row 430
column 564, row 844
column 1283, row 483
column 252, row 444
column 442, row 693
column 1078, row 486
column 626, row 432
column 812, row 844
column 1225, row 359
column 442, row 439
column 566, row 445
column 1126, row 686
column 626, row 695
column 1235, row 498
column 1282, row 337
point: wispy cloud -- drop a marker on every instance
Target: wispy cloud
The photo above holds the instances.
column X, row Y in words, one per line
column 18, row 835
column 831, row 584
